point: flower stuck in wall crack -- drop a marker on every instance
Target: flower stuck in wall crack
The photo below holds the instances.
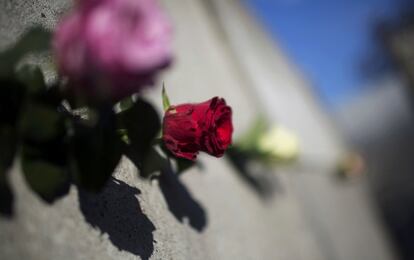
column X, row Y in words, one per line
column 75, row 128
column 190, row 128
column 110, row 49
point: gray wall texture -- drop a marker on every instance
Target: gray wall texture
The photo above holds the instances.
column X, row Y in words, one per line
column 207, row 213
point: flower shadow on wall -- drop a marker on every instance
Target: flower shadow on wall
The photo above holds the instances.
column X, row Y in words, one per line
column 257, row 177
column 180, row 202
column 255, row 154
column 117, row 212
column 74, row 128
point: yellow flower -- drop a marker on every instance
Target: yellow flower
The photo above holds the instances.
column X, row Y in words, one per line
column 279, row 143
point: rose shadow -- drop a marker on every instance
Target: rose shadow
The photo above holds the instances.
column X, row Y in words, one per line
column 259, row 179
column 117, row 212
column 180, row 201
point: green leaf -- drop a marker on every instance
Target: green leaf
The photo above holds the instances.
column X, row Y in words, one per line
column 142, row 124
column 41, row 122
column 45, row 168
column 32, row 77
column 44, row 150
column 96, row 150
column 11, row 100
column 126, row 103
column 35, row 40
column 165, row 99
column 47, row 179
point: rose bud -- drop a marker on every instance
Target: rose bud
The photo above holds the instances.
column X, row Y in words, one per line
column 112, row 48
column 190, row 128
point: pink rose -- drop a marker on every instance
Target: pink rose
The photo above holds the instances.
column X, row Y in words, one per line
column 112, row 48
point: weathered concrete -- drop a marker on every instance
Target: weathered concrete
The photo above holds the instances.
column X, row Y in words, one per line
column 208, row 213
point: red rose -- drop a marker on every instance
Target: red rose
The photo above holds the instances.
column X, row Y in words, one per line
column 190, row 128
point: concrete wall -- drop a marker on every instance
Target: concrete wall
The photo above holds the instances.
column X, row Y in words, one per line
column 209, row 213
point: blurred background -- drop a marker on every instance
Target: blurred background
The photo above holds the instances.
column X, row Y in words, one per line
column 358, row 57
column 338, row 74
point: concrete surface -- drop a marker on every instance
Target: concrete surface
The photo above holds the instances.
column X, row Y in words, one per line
column 380, row 123
column 209, row 213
